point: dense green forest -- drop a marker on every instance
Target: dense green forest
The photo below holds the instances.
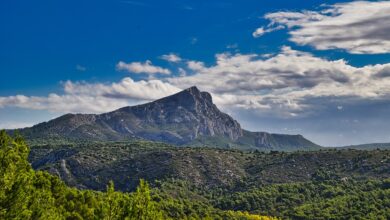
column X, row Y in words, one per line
column 346, row 184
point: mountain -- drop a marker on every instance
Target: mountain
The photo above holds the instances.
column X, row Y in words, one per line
column 186, row 118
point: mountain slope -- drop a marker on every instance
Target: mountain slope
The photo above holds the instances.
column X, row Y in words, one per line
column 186, row 118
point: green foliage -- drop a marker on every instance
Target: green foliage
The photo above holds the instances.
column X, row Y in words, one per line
column 142, row 207
column 26, row 194
column 327, row 199
column 29, row 194
column 15, row 177
column 353, row 185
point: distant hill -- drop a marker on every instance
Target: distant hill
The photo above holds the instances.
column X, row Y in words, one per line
column 372, row 146
column 187, row 118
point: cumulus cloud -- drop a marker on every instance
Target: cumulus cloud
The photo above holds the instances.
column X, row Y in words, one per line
column 358, row 27
column 173, row 58
column 139, row 67
column 195, row 65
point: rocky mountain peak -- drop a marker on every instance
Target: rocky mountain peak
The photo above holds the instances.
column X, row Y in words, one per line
column 191, row 113
column 191, row 98
column 193, row 90
column 197, row 94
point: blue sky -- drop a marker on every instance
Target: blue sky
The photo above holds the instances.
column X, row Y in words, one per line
column 268, row 63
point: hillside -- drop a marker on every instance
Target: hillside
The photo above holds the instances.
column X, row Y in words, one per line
column 187, row 118
column 93, row 165
column 29, row 194
column 326, row 184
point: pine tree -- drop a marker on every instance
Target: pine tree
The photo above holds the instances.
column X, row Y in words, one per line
column 142, row 207
column 112, row 203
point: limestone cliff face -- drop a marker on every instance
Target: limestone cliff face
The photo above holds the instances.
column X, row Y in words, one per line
column 189, row 113
column 267, row 141
column 263, row 140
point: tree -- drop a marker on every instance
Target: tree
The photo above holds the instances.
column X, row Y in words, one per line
column 112, row 202
column 141, row 206
column 15, row 178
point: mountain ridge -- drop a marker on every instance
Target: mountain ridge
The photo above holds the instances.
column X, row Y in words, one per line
column 188, row 117
column 368, row 146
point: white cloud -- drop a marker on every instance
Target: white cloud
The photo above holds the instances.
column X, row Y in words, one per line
column 173, row 58
column 359, row 27
column 127, row 88
column 93, row 98
column 64, row 103
column 138, row 67
column 287, row 83
column 261, row 30
column 195, row 65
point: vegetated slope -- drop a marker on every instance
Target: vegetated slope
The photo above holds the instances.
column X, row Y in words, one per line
column 327, row 184
column 93, row 165
column 187, row 118
column 29, row 194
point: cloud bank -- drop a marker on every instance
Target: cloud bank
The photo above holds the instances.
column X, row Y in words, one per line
column 358, row 27
column 289, row 84
column 84, row 97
